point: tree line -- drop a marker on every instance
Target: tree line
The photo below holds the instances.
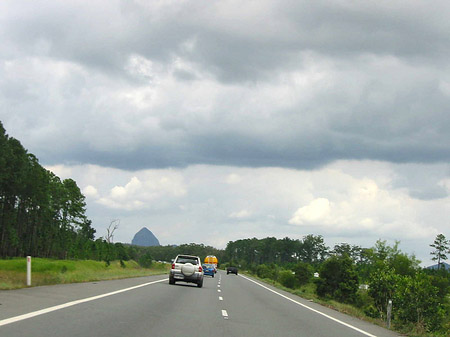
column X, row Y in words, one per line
column 40, row 214
column 364, row 277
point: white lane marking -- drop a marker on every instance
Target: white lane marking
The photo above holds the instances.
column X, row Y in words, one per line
column 309, row 308
column 69, row 304
column 218, row 286
column 220, row 298
column 218, row 290
column 225, row 314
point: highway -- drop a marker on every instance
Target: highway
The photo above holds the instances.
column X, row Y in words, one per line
column 227, row 305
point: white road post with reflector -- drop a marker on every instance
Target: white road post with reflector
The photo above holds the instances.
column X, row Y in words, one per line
column 28, row 271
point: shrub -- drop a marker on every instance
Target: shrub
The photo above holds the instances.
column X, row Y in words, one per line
column 338, row 279
column 265, row 271
column 382, row 285
column 287, row 279
column 303, row 273
column 145, row 260
column 417, row 301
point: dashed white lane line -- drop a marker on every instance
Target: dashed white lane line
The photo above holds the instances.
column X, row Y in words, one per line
column 218, row 290
column 224, row 314
column 220, row 298
column 314, row 310
column 69, row 304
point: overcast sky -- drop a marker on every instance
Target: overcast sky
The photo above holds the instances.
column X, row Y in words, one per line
column 211, row 121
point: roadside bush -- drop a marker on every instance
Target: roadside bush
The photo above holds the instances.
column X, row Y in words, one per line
column 287, row 279
column 382, row 287
column 303, row 273
column 265, row 271
column 145, row 260
column 338, row 279
column 417, row 301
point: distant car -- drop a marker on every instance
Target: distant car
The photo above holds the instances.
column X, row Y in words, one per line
column 209, row 269
column 186, row 268
column 232, row 270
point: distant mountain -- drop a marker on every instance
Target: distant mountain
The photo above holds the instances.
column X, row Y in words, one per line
column 443, row 265
column 145, row 238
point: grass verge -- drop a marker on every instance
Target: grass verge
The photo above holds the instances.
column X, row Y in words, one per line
column 48, row 271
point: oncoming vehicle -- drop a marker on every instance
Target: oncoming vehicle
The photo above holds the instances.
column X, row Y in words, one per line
column 209, row 269
column 186, row 268
column 232, row 270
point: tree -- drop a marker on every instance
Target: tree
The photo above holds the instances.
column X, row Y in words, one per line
column 113, row 225
column 441, row 246
column 313, row 249
column 303, row 272
column 382, row 287
column 338, row 279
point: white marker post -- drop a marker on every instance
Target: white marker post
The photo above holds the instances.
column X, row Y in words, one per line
column 389, row 312
column 28, row 271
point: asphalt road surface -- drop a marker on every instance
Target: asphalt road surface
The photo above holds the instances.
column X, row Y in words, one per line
column 227, row 305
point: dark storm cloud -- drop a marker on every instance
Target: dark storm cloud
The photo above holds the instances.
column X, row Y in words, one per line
column 383, row 96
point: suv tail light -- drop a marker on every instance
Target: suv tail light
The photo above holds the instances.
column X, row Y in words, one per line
column 173, row 265
column 200, row 269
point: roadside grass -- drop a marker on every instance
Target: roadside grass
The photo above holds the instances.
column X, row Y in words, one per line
column 49, row 271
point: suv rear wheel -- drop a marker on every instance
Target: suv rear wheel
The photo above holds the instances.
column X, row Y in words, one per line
column 200, row 284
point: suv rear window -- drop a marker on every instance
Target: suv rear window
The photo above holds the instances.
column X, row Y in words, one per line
column 187, row 259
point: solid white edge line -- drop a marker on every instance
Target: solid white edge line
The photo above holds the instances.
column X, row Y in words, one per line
column 69, row 304
column 309, row 308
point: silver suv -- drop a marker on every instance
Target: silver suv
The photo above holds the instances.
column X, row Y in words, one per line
column 187, row 268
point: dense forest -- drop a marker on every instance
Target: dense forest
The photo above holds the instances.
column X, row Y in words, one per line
column 44, row 216
column 40, row 215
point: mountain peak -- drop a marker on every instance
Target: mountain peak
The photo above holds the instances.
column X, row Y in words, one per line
column 145, row 238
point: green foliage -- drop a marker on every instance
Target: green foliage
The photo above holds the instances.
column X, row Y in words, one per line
column 145, row 260
column 441, row 246
column 40, row 215
column 267, row 271
column 287, row 279
column 338, row 279
column 441, row 281
column 282, row 252
column 303, row 273
column 417, row 301
column 382, row 287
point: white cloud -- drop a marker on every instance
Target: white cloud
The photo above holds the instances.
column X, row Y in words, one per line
column 151, row 191
column 90, row 191
column 316, row 211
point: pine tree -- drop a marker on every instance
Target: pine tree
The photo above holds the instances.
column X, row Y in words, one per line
column 441, row 246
